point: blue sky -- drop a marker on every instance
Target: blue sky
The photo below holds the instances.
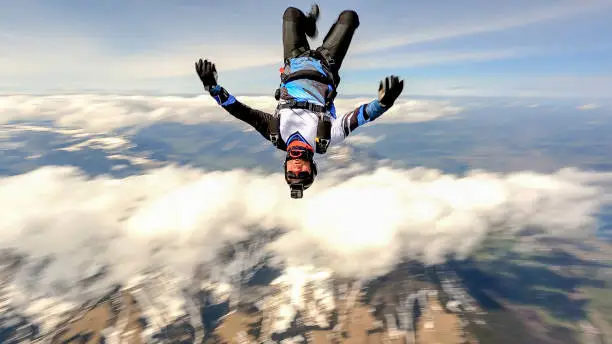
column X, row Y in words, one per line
column 526, row 48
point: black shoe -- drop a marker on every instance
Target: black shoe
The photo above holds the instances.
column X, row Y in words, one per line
column 311, row 20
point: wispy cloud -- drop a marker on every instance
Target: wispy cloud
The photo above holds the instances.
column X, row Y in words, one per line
column 427, row 58
column 69, row 58
column 365, row 140
column 502, row 20
column 587, row 107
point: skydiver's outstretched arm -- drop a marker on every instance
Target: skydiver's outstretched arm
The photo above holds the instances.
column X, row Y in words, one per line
column 344, row 125
column 259, row 120
column 388, row 91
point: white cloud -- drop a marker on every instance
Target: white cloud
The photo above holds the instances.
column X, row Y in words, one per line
column 362, row 139
column 587, row 107
column 177, row 217
column 418, row 111
column 101, row 113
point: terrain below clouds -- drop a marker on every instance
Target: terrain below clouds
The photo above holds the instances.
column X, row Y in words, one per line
column 103, row 190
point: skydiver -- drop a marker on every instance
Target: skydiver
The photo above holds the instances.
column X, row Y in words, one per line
column 305, row 121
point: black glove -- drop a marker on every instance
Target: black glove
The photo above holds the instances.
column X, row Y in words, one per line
column 389, row 90
column 208, row 73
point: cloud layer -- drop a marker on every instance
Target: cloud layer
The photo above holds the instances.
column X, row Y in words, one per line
column 359, row 225
column 102, row 113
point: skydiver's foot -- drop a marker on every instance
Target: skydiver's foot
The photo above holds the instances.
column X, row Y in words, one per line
column 311, row 21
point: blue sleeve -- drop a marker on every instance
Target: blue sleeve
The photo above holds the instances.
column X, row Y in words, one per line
column 343, row 126
column 374, row 110
column 369, row 112
column 221, row 96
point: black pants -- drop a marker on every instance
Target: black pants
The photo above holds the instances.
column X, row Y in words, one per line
column 335, row 44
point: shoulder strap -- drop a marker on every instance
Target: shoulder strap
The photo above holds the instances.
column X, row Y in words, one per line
column 274, row 132
column 323, row 133
column 308, row 74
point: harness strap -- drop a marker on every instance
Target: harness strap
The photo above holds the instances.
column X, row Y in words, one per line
column 323, row 133
column 307, row 74
column 275, row 130
column 294, row 104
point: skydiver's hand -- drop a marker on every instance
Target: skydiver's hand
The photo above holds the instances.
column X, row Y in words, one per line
column 207, row 72
column 389, row 90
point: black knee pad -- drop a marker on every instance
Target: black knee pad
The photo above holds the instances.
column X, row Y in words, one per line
column 349, row 17
column 293, row 14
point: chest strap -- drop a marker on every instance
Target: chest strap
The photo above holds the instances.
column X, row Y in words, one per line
column 295, row 104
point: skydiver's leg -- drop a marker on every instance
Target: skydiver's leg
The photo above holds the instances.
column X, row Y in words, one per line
column 337, row 41
column 296, row 26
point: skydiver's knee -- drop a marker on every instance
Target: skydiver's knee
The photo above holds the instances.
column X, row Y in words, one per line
column 292, row 14
column 349, row 17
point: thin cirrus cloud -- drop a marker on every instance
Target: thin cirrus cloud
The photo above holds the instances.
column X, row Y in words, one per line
column 496, row 20
column 411, row 59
